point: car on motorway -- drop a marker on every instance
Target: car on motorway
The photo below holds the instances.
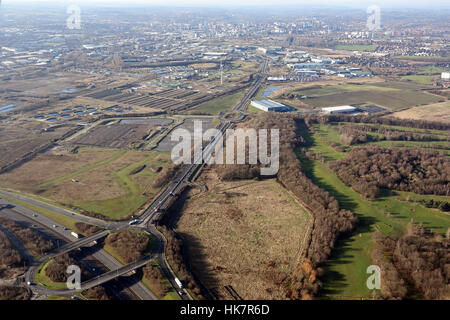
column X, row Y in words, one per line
column 54, row 226
column 133, row 222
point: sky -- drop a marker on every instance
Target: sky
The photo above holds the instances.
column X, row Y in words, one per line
column 211, row 3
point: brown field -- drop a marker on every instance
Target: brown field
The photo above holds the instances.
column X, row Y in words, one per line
column 243, row 234
column 96, row 180
column 22, row 137
column 204, row 66
column 123, row 134
column 49, row 166
column 91, row 181
column 433, row 112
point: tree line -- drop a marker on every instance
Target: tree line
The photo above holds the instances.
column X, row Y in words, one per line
column 356, row 134
column 376, row 119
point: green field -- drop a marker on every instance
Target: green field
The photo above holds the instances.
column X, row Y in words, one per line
column 345, row 271
column 356, row 47
column 434, row 70
column 216, row 106
column 390, row 96
column 424, row 79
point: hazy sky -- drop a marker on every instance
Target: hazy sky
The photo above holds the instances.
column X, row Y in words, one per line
column 353, row 3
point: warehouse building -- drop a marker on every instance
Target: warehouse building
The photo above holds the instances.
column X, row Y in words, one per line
column 269, row 105
column 339, row 109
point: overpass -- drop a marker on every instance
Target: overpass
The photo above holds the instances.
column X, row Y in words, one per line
column 108, row 276
column 163, row 201
column 83, row 242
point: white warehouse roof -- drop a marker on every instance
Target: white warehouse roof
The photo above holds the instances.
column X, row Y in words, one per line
column 339, row 109
column 269, row 105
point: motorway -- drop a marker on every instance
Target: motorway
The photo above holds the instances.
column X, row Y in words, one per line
column 19, row 213
column 163, row 201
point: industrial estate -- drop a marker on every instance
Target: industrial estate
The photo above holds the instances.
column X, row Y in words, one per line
column 89, row 102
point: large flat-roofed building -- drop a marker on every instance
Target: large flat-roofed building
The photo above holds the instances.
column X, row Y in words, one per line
column 269, row 105
column 339, row 109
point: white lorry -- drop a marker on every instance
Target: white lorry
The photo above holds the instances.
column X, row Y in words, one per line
column 75, row 234
column 179, row 283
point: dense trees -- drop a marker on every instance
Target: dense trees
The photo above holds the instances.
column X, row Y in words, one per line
column 416, row 264
column 156, row 278
column 9, row 256
column 358, row 133
column 444, row 206
column 369, row 169
column 98, row 293
column 86, row 229
column 56, row 269
column 14, row 293
column 426, row 262
column 130, row 245
column 239, row 171
column 31, row 239
column 392, row 284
